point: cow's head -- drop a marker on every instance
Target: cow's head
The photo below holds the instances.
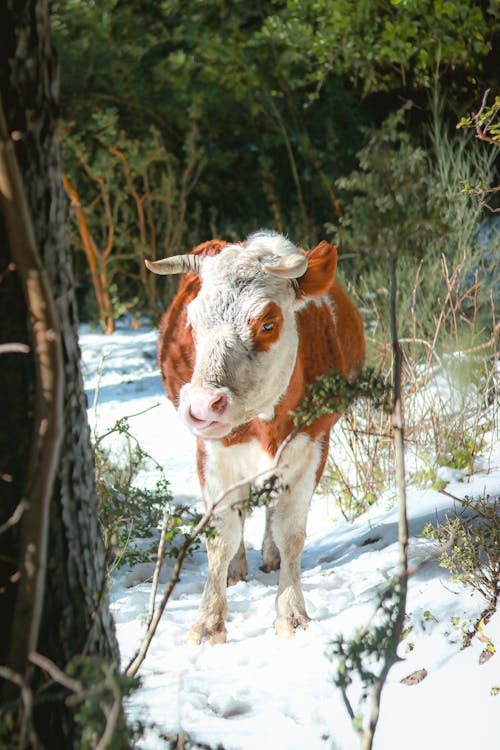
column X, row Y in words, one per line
column 244, row 327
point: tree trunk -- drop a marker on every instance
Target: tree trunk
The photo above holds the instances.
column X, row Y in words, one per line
column 75, row 618
column 97, row 264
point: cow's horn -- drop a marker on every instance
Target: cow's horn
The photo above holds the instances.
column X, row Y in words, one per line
column 290, row 266
column 175, row 264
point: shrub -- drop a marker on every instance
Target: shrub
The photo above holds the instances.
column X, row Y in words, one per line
column 99, row 690
column 471, row 545
column 368, row 653
column 450, row 390
column 131, row 514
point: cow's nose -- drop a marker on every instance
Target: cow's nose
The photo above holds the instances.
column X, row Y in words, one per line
column 206, row 404
column 219, row 403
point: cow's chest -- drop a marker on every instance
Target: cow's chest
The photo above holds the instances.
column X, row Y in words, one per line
column 224, row 466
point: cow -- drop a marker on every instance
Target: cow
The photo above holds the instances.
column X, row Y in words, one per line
column 251, row 326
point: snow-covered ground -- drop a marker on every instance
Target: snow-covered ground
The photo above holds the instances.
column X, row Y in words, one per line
column 258, row 692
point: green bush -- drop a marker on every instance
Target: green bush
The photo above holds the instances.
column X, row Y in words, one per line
column 471, row 545
column 100, row 690
column 131, row 514
column 405, row 198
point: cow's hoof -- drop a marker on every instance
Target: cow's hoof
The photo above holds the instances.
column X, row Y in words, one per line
column 201, row 632
column 217, row 637
column 267, row 567
column 233, row 580
column 194, row 638
column 286, row 626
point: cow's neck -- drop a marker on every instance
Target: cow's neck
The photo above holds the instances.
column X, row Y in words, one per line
column 271, row 433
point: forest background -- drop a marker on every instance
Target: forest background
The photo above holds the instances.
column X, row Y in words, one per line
column 183, row 121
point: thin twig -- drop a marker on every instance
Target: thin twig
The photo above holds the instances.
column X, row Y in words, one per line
column 482, row 128
column 129, row 416
column 80, row 694
column 112, row 715
column 14, row 518
column 159, row 560
column 462, row 501
column 55, row 672
column 26, row 719
column 394, row 637
column 14, row 348
column 347, row 704
column 424, row 343
column 100, row 368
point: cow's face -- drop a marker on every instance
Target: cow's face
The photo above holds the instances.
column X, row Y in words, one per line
column 245, row 332
column 243, row 323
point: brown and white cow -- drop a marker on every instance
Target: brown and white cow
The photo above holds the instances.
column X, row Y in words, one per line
column 251, row 326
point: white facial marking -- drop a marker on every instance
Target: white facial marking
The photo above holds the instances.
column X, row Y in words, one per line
column 235, row 290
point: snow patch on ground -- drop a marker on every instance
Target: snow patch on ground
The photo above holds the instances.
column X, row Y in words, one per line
column 257, row 692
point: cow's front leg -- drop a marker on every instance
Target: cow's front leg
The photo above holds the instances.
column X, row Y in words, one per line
column 289, row 521
column 221, row 549
column 290, row 605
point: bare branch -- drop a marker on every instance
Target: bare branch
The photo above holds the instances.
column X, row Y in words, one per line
column 159, row 561
column 14, row 348
column 391, row 656
column 483, row 127
column 26, row 720
column 55, row 672
column 14, row 518
column 112, row 715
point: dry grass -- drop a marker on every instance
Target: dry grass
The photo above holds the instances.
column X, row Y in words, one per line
column 450, row 382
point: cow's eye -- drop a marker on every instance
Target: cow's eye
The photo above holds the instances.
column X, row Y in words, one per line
column 267, row 327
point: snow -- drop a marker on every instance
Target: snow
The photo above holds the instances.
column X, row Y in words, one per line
column 257, row 691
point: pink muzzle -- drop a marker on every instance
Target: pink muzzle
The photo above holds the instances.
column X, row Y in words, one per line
column 202, row 408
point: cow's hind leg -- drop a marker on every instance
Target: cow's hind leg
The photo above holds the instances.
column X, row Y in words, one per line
column 213, row 607
column 238, row 567
column 270, row 552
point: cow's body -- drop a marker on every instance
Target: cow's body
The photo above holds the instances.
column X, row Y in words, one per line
column 238, row 347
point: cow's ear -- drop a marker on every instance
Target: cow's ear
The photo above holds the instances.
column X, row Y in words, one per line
column 321, row 268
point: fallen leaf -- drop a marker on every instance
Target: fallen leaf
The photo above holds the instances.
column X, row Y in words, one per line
column 485, row 655
column 415, row 677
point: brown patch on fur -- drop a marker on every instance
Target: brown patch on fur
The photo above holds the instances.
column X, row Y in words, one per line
column 321, row 268
column 271, row 316
column 176, row 344
column 325, row 446
column 201, row 455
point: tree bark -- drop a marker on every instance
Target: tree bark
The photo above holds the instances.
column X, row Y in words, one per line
column 33, row 506
column 75, row 618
